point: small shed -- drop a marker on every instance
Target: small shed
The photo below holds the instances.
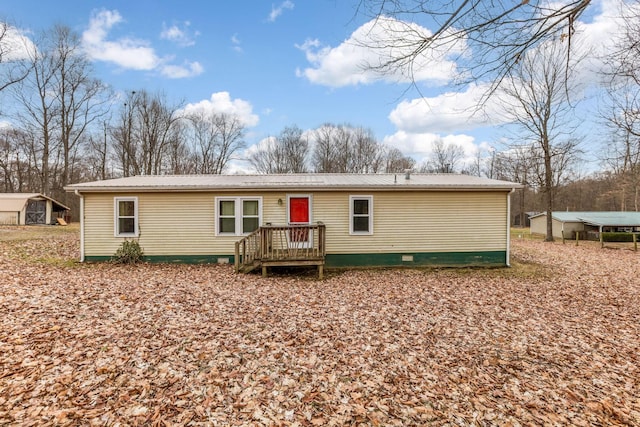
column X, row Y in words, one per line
column 29, row 209
column 571, row 222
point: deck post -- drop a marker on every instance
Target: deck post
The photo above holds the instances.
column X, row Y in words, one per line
column 236, row 258
column 320, row 271
column 264, row 271
column 601, row 239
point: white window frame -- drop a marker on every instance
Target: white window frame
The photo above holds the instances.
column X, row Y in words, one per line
column 369, row 199
column 238, row 205
column 117, row 216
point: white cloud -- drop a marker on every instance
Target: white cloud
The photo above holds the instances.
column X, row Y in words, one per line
column 221, row 103
column 449, row 112
column 125, row 52
column 420, row 145
column 189, row 69
column 236, row 43
column 369, row 46
column 129, row 53
column 15, row 45
column 181, row 36
column 276, row 11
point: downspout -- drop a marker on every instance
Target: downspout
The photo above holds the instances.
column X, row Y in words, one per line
column 508, row 260
column 81, row 225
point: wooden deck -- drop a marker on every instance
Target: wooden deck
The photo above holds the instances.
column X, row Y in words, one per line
column 282, row 246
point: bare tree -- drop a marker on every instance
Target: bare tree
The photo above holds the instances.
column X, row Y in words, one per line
column 517, row 165
column 537, row 97
column 98, row 152
column 286, row 153
column 203, row 134
column 231, row 133
column 499, row 33
column 147, row 129
column 37, row 96
column 622, row 114
column 391, row 160
column 345, row 149
column 59, row 100
column 324, row 154
column 365, row 151
column 124, row 146
column 154, row 128
column 444, row 158
column 81, row 98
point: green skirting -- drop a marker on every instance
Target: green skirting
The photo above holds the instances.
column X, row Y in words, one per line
column 454, row 259
column 403, row 259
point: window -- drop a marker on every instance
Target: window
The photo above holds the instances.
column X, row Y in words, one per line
column 237, row 215
column 126, row 216
column 361, row 214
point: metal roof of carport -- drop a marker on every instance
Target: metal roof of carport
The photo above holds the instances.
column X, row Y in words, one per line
column 600, row 218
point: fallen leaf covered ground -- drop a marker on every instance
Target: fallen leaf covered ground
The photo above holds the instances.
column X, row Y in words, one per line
column 555, row 340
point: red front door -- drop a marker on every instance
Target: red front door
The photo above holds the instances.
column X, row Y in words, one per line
column 299, row 213
column 299, row 210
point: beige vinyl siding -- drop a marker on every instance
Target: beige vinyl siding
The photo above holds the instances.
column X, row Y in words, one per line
column 539, row 226
column 569, row 228
column 10, row 218
column 440, row 221
column 412, row 221
column 169, row 223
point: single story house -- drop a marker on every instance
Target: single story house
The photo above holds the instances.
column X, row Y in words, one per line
column 568, row 223
column 29, row 208
column 347, row 219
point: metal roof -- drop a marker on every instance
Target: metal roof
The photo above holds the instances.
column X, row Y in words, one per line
column 601, row 218
column 13, row 202
column 319, row 182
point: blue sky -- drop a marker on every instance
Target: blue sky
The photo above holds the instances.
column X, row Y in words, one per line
column 276, row 64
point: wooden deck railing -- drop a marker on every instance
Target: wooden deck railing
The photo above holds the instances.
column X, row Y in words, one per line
column 281, row 245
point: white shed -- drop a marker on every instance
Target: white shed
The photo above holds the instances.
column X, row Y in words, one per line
column 29, row 208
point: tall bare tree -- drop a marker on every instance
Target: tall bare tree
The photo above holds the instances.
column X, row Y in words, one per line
column 391, row 160
column 345, row 149
column 286, row 153
column 204, row 136
column 622, row 112
column 445, row 158
column 537, row 95
column 124, row 145
column 231, row 132
column 40, row 110
column 146, row 128
column 154, row 129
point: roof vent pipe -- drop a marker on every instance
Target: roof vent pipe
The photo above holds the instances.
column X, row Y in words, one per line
column 407, row 174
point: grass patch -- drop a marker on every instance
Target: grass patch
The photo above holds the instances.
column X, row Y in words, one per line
column 10, row 233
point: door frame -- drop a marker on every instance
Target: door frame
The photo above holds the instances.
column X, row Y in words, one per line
column 34, row 214
column 309, row 242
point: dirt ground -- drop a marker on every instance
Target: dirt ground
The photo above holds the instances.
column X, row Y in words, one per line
column 554, row 340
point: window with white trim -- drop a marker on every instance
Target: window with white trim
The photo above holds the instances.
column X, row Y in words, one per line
column 238, row 216
column 125, row 216
column 361, row 215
